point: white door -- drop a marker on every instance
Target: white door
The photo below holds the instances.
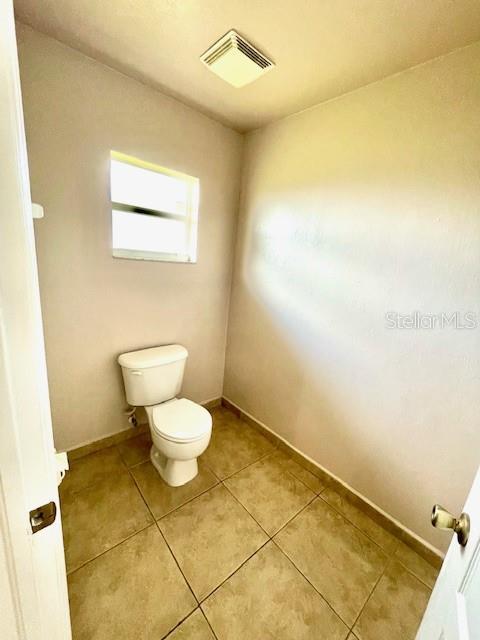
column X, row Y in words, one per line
column 33, row 592
column 453, row 612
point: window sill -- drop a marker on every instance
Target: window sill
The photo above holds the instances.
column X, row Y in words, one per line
column 152, row 256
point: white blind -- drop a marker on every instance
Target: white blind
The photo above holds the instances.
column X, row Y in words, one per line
column 148, row 189
column 139, row 232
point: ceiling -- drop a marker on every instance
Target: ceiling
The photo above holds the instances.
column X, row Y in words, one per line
column 322, row 48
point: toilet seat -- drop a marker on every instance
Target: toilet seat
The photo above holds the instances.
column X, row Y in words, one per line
column 181, row 420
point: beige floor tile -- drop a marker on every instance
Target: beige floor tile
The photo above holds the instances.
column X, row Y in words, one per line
column 90, row 469
column 210, row 537
column 396, row 607
column 133, row 591
column 222, row 416
column 337, row 558
column 233, row 447
column 312, row 482
column 270, row 493
column 195, row 627
column 162, row 498
column 297, row 457
column 100, row 517
column 135, row 450
column 269, row 599
column 378, row 534
column 352, row 637
column 416, row 564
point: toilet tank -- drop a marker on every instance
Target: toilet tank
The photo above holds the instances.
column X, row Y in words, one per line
column 152, row 376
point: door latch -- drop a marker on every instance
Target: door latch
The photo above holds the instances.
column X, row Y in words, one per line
column 43, row 516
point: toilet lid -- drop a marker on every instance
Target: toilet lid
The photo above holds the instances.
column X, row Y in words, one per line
column 181, row 420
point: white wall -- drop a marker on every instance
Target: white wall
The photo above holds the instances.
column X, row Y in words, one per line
column 367, row 204
column 95, row 306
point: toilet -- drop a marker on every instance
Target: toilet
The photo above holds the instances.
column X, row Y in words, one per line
column 180, row 428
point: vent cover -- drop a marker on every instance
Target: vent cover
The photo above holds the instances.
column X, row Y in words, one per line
column 236, row 60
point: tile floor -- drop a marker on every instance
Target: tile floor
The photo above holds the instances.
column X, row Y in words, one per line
column 255, row 548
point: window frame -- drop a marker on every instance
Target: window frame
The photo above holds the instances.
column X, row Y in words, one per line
column 190, row 218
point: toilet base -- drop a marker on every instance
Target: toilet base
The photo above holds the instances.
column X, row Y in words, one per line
column 174, row 472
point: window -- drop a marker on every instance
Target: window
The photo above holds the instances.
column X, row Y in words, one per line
column 154, row 211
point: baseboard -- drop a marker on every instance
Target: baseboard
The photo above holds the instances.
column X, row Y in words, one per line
column 211, row 404
column 384, row 519
column 92, row 446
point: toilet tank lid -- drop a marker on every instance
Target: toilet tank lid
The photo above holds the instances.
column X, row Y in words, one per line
column 154, row 357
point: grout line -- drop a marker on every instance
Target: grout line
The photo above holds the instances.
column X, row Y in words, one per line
column 262, row 457
column 234, row 572
column 286, row 470
column 169, row 513
column 187, row 501
column 317, row 493
column 345, row 517
column 389, row 560
column 180, row 622
column 208, row 622
column 245, row 509
column 96, row 482
column 221, row 481
column 209, row 468
column 314, row 496
column 391, row 555
column 388, row 557
column 165, row 540
column 412, row 573
column 270, row 538
column 137, row 464
column 177, row 563
column 283, row 525
column 117, row 544
column 297, row 514
column 403, row 534
column 371, row 593
column 312, row 585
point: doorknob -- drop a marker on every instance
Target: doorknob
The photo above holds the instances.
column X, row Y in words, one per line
column 443, row 519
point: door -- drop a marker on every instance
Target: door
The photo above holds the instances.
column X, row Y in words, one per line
column 453, row 612
column 33, row 592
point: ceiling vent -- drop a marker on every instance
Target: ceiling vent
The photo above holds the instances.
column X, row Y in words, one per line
column 235, row 60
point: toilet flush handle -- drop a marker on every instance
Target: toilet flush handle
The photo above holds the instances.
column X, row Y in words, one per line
column 136, row 373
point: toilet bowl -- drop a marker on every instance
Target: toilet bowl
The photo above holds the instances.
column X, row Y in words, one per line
column 180, row 428
column 181, row 431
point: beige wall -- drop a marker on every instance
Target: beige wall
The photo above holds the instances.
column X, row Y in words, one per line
column 94, row 306
column 360, row 206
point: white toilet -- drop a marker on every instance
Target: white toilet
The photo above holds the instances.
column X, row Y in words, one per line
column 180, row 428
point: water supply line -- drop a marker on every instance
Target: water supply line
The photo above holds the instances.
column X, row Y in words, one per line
column 132, row 416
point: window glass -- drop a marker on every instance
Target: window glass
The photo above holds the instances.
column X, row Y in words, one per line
column 154, row 211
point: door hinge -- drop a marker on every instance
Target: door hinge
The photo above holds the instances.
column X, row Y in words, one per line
column 43, row 516
column 62, row 465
